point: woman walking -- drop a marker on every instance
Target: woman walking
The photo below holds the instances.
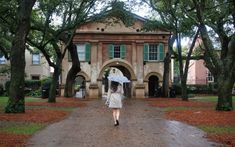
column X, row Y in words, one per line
column 114, row 100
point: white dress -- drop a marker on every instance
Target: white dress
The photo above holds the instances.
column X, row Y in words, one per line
column 115, row 98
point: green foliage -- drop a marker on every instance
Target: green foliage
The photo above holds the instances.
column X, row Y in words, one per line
column 15, row 106
column 177, row 88
column 118, row 11
column 200, row 89
column 46, row 81
column 225, row 107
column 7, row 87
column 30, row 85
column 1, row 90
column 77, row 87
column 23, row 128
column 106, row 72
column 6, row 69
column 33, row 84
column 35, row 93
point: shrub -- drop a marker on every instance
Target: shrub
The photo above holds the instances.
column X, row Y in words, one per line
column 1, row 90
column 32, row 84
column 7, row 86
column 35, row 93
column 46, row 82
column 177, row 88
column 199, row 89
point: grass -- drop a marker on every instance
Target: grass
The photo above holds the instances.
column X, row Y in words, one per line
column 217, row 129
column 67, row 109
column 208, row 98
column 172, row 108
column 4, row 100
column 22, row 128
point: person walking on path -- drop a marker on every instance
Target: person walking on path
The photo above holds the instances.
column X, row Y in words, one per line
column 114, row 100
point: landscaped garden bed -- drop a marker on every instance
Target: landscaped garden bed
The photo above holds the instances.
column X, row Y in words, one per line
column 200, row 112
column 15, row 129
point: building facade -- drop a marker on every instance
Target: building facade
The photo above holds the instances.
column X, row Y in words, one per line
column 198, row 74
column 137, row 54
column 36, row 67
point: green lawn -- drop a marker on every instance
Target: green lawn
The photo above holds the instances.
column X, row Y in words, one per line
column 20, row 128
column 208, row 98
column 217, row 129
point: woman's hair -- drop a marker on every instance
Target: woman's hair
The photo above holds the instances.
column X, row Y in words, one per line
column 114, row 86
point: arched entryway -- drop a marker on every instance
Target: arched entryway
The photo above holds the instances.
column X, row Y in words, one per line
column 124, row 67
column 80, row 86
column 153, row 85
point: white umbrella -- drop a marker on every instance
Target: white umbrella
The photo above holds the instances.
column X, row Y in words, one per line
column 118, row 78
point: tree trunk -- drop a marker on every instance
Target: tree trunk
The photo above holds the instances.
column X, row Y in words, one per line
column 166, row 75
column 16, row 96
column 167, row 61
column 225, row 87
column 184, row 92
column 71, row 76
column 53, row 86
column 54, row 83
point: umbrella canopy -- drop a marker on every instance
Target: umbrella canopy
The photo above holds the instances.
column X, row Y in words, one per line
column 118, row 78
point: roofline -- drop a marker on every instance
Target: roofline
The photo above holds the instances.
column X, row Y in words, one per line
column 125, row 33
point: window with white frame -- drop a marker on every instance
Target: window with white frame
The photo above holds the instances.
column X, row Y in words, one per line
column 116, row 51
column 83, row 51
column 154, row 52
column 35, row 58
column 210, row 77
column 2, row 60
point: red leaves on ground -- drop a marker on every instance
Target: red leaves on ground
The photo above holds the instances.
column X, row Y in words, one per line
column 176, row 102
column 12, row 140
column 60, row 102
column 203, row 117
column 202, row 113
column 35, row 115
column 228, row 139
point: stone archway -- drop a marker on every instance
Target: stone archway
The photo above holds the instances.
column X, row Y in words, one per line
column 83, row 74
column 86, row 81
column 117, row 62
column 125, row 68
column 153, row 82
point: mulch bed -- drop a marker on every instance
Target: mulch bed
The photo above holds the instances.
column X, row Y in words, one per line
column 176, row 102
column 203, row 117
column 60, row 102
column 37, row 115
column 204, row 114
column 11, row 140
column 228, row 139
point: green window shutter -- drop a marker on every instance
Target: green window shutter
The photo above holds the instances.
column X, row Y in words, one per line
column 161, row 51
column 146, row 52
column 88, row 52
column 123, row 51
column 110, row 51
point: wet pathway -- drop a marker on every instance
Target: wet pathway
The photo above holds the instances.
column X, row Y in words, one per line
column 140, row 126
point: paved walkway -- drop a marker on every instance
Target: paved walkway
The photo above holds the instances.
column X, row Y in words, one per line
column 140, row 126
